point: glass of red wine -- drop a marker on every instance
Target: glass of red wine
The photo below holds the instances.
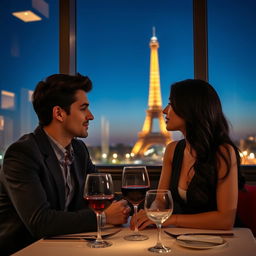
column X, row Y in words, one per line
column 135, row 183
column 99, row 192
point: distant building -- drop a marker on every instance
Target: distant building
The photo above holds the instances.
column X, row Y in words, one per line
column 7, row 117
column 16, row 116
column 28, row 119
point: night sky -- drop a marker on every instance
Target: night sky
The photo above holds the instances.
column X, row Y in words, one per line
column 113, row 50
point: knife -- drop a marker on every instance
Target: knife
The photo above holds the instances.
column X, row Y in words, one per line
column 200, row 233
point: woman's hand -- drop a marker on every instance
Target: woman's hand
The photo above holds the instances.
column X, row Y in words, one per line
column 142, row 220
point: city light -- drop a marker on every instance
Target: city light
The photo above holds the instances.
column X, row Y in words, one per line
column 251, row 156
column 7, row 100
column 245, row 153
column 127, row 156
column 115, row 155
column 1, row 123
column 247, row 156
column 149, row 151
column 104, row 155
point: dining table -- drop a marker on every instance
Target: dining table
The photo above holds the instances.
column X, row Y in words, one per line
column 240, row 243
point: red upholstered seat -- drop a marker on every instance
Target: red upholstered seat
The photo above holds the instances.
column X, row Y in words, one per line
column 246, row 208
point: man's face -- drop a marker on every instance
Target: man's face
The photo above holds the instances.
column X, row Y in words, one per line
column 76, row 122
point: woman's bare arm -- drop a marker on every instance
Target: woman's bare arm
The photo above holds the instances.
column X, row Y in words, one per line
column 226, row 196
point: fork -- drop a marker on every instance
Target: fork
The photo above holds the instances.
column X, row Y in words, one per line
column 81, row 237
column 200, row 233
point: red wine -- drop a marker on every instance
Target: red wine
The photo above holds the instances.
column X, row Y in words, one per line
column 134, row 194
column 99, row 203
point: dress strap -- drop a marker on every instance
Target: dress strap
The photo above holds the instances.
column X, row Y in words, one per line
column 176, row 169
column 177, row 162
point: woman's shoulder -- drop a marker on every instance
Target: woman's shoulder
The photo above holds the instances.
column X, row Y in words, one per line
column 227, row 150
column 170, row 148
column 227, row 158
column 172, row 145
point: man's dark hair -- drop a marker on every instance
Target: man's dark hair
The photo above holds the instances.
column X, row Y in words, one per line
column 57, row 90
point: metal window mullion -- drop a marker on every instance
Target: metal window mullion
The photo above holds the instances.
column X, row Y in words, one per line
column 67, row 36
column 200, row 39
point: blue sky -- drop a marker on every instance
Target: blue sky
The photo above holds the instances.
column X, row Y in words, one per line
column 113, row 50
column 113, row 40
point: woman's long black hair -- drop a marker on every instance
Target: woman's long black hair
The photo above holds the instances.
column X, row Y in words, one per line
column 207, row 129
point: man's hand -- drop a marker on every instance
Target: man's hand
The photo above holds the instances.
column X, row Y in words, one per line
column 117, row 213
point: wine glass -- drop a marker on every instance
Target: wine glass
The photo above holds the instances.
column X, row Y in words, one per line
column 98, row 191
column 159, row 207
column 135, row 183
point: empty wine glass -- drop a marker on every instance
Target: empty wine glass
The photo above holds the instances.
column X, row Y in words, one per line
column 135, row 183
column 98, row 190
column 159, row 207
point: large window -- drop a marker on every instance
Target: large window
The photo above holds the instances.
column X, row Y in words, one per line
column 232, row 67
column 29, row 53
column 113, row 50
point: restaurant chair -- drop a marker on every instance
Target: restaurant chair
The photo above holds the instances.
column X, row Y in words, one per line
column 246, row 208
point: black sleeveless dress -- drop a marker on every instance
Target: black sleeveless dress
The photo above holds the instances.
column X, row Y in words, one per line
column 201, row 194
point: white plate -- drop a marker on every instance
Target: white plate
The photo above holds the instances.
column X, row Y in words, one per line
column 200, row 245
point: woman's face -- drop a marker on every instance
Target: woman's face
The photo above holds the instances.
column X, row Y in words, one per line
column 173, row 121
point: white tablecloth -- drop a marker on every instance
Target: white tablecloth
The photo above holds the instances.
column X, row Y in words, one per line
column 241, row 244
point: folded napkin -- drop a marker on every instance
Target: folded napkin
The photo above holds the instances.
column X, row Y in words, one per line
column 201, row 238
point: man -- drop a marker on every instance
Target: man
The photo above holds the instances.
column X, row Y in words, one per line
column 43, row 173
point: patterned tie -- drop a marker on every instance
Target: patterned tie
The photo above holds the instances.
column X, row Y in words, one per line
column 68, row 183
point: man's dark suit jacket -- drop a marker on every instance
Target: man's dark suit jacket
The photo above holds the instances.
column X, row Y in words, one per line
column 32, row 196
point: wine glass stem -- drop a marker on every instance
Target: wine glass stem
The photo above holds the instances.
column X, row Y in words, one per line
column 159, row 242
column 99, row 238
column 135, row 207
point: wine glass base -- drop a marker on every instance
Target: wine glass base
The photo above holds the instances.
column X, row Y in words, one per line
column 159, row 249
column 136, row 237
column 99, row 244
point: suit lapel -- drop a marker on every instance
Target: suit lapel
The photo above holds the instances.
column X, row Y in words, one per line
column 54, row 168
column 52, row 164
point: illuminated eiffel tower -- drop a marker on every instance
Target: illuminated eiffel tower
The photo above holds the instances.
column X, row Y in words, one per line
column 147, row 137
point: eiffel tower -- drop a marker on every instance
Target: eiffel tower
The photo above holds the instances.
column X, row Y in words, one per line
column 147, row 137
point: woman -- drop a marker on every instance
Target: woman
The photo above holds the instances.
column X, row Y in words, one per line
column 202, row 170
